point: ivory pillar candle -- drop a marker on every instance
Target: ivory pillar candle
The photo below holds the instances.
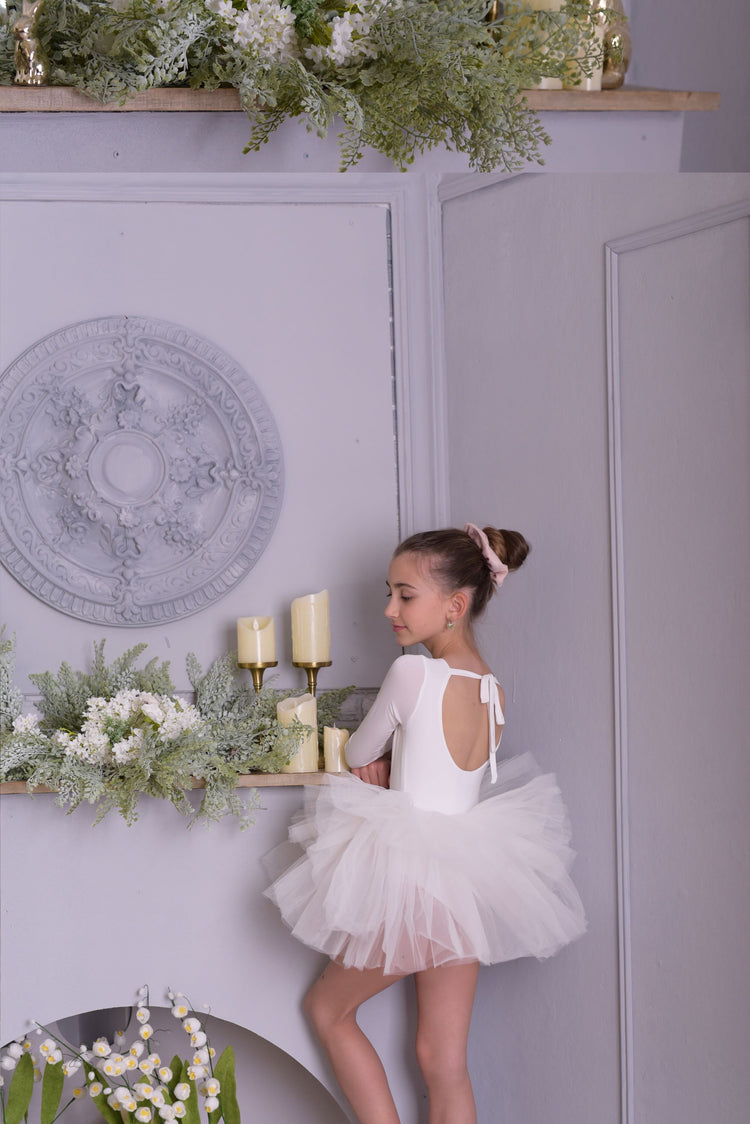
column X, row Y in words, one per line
column 334, row 749
column 305, row 708
column 311, row 631
column 591, row 81
column 256, row 642
column 546, row 83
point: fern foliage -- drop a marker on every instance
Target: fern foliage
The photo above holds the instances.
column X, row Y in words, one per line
column 237, row 733
column 415, row 74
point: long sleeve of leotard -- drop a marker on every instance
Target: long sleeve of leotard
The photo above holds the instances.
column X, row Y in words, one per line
column 394, row 705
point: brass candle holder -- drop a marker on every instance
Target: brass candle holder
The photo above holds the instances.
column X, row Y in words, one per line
column 256, row 670
column 312, row 672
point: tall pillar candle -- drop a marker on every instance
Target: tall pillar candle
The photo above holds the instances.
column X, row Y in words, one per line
column 334, row 749
column 591, row 81
column 545, row 82
column 256, row 643
column 305, row 708
column 311, row 630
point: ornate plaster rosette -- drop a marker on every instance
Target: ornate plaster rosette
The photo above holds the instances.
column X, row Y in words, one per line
column 141, row 471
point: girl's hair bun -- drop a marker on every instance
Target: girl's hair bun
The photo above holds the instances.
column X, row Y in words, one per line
column 510, row 546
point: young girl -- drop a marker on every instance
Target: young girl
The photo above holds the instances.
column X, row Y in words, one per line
column 409, row 872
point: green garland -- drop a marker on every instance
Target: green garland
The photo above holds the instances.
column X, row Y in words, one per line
column 232, row 731
column 434, row 72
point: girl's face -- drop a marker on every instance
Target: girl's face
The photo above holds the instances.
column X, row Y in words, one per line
column 418, row 608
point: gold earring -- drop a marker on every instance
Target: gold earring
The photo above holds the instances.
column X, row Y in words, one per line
column 449, row 623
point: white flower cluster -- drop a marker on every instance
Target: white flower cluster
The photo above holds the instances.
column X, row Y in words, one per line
column 26, row 724
column 349, row 36
column 266, row 27
column 147, row 1090
column 113, row 729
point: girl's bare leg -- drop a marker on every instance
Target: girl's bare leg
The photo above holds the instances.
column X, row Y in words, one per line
column 331, row 1005
column 445, row 997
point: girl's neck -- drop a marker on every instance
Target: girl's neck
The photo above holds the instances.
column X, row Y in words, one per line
column 458, row 649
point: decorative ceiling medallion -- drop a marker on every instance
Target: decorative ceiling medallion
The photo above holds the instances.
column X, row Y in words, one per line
column 141, row 471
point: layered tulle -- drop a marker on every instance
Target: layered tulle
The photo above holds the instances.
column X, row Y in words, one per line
column 380, row 883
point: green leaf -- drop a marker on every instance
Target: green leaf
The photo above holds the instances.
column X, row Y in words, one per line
column 192, row 1111
column 52, row 1087
column 20, row 1090
column 224, row 1072
column 176, row 1067
column 105, row 1109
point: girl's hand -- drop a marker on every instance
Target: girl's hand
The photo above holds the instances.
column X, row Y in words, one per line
column 377, row 772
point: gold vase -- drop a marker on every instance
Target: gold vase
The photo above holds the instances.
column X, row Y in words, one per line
column 617, row 49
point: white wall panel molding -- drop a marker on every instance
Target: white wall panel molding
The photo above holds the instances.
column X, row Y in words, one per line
column 454, row 186
column 615, row 251
column 416, row 308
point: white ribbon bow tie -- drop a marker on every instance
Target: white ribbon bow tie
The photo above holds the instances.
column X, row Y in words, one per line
column 488, row 693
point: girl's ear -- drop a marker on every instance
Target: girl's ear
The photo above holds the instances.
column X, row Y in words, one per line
column 459, row 604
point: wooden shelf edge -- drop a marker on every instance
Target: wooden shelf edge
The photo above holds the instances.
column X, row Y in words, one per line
column 244, row 780
column 65, row 99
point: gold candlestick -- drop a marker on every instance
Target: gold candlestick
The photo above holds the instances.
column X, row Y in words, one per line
column 256, row 670
column 312, row 673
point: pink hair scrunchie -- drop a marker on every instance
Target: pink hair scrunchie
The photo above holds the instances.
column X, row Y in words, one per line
column 496, row 566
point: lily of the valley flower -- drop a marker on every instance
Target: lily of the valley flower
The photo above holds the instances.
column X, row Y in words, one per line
column 114, row 1065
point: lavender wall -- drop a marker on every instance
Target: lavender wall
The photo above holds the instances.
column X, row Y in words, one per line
column 528, row 445
column 690, row 45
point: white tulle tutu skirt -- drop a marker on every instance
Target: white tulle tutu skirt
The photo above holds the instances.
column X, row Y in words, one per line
column 379, row 883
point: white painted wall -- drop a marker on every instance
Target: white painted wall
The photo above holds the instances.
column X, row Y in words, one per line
column 528, row 446
column 299, row 296
column 691, row 45
column 527, row 423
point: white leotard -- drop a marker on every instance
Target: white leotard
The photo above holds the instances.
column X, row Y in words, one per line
column 410, row 706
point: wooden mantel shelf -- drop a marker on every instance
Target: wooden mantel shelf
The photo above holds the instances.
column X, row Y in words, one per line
column 64, row 99
column 244, row 780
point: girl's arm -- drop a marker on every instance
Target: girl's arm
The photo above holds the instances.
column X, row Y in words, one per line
column 394, row 704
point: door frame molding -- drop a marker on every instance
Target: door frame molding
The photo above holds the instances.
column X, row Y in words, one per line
column 615, row 250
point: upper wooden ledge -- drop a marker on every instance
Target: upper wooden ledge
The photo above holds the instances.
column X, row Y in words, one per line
column 65, row 99
column 244, row 780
